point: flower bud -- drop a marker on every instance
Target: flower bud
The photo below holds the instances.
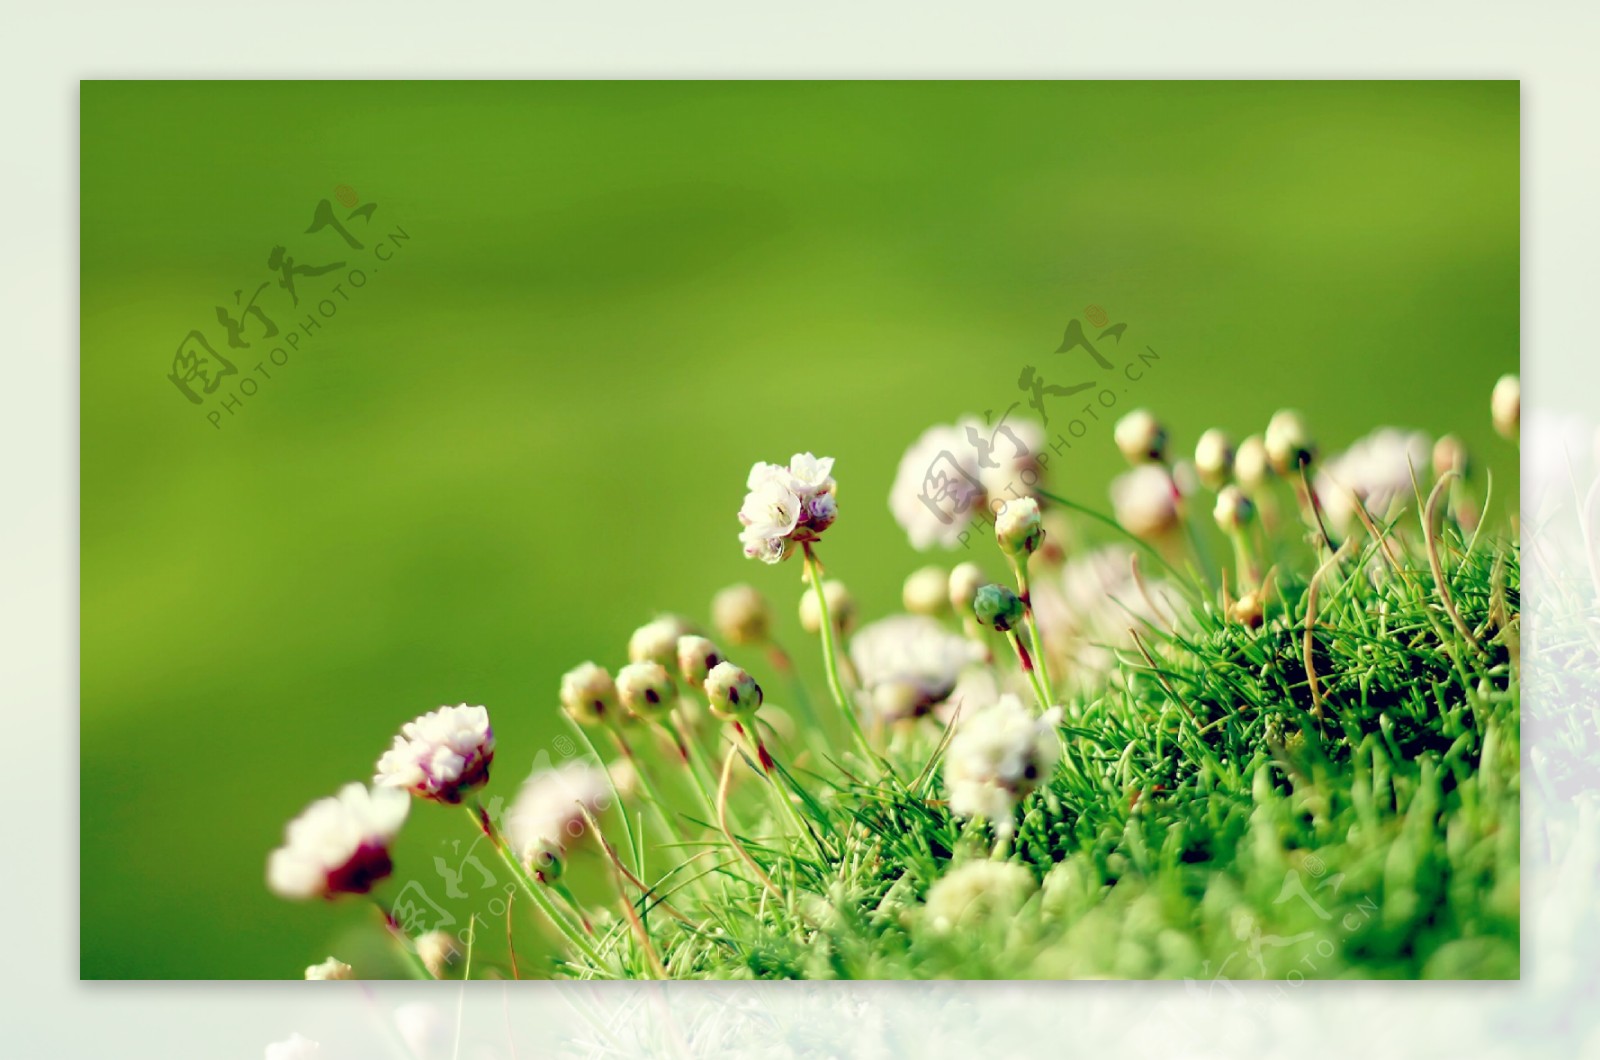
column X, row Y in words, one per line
column 332, row 968
column 1288, row 442
column 965, row 581
column 657, row 641
column 1213, row 458
column 927, row 591
column 1145, row 501
column 741, row 615
column 1141, row 437
column 733, row 694
column 841, row 607
column 998, row 607
column 545, row 860
column 1505, row 406
column 588, row 695
column 437, row 951
column 1017, row 528
column 1251, row 468
column 1450, row 454
column 1249, row 609
column 1234, row 511
column 696, row 657
column 646, row 689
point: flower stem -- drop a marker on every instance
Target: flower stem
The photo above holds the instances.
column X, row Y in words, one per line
column 570, row 931
column 1019, row 565
column 830, row 659
column 402, row 943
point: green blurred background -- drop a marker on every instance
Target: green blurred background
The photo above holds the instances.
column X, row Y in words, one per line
column 530, row 430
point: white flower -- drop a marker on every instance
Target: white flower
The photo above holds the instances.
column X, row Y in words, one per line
column 296, row 1047
column 908, row 664
column 771, row 508
column 976, row 891
column 332, row 968
column 786, row 506
column 997, row 755
column 1378, row 472
column 811, row 476
column 441, row 755
column 548, row 811
column 947, row 475
column 1145, row 501
column 338, row 845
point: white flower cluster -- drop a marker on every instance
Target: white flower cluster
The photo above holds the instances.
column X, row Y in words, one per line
column 908, row 664
column 441, row 755
column 787, row 506
column 1382, row 471
column 548, row 814
column 978, row 891
column 954, row 470
column 997, row 756
column 339, row 845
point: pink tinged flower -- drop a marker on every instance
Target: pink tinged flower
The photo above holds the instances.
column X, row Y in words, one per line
column 338, row 845
column 440, row 756
column 786, row 506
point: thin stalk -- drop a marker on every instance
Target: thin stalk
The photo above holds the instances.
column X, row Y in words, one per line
column 770, row 771
column 569, row 930
column 830, row 659
column 1019, row 566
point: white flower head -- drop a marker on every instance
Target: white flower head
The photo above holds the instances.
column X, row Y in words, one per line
column 295, row 1047
column 978, row 891
column 787, row 506
column 1145, row 501
column 332, row 968
column 440, row 756
column 1381, row 471
column 950, row 472
column 998, row 755
column 548, row 812
column 909, row 664
column 338, row 845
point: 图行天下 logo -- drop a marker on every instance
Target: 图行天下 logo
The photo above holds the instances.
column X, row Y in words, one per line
column 307, row 283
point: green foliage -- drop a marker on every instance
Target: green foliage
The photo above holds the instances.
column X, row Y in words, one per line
column 1225, row 813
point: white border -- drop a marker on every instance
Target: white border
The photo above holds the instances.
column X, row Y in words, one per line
column 1549, row 46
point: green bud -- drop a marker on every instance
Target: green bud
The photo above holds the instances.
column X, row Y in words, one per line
column 588, row 695
column 544, row 860
column 998, row 607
